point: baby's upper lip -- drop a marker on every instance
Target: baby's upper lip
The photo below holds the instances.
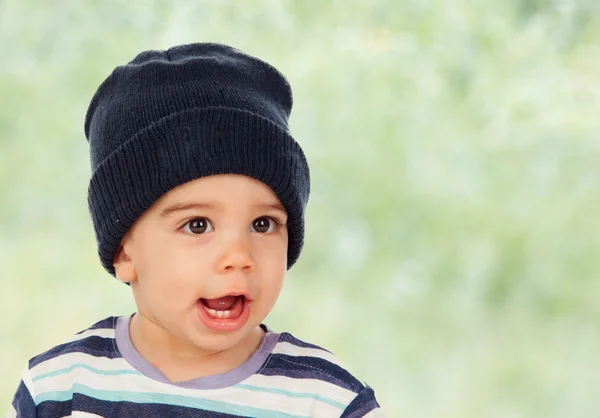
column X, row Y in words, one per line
column 244, row 294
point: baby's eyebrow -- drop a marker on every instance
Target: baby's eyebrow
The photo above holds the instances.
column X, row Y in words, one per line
column 178, row 207
column 276, row 206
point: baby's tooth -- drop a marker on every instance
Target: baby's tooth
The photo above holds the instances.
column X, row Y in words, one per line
column 213, row 313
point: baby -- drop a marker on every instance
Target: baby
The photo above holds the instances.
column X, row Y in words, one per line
column 197, row 197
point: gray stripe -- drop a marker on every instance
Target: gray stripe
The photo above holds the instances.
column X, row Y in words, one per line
column 218, row 381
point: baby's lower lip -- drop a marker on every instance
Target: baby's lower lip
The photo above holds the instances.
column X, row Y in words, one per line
column 237, row 317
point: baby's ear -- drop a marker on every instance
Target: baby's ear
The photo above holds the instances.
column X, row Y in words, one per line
column 124, row 269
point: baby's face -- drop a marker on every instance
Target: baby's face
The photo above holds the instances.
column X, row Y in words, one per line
column 207, row 261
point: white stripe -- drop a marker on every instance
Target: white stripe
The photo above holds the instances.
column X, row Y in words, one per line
column 325, row 389
column 11, row 413
column 68, row 359
column 28, row 381
column 294, row 350
column 230, row 395
column 99, row 332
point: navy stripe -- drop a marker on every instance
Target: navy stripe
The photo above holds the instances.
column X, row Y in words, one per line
column 93, row 345
column 129, row 409
column 301, row 367
column 53, row 409
column 23, row 402
column 363, row 403
column 289, row 338
column 108, row 323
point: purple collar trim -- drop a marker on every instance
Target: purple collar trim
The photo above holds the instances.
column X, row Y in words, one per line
column 217, row 381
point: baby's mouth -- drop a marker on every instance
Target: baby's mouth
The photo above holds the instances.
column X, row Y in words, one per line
column 226, row 307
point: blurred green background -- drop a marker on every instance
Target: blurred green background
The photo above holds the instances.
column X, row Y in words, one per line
column 453, row 235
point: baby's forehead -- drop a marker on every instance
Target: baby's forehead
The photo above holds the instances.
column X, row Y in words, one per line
column 220, row 193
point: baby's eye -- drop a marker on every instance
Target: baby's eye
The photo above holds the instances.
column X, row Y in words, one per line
column 264, row 224
column 198, row 226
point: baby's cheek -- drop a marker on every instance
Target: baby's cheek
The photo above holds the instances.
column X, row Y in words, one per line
column 271, row 292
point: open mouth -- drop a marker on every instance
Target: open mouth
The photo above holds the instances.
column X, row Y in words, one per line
column 224, row 314
column 226, row 307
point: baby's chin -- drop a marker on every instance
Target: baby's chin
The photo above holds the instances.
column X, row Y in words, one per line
column 249, row 336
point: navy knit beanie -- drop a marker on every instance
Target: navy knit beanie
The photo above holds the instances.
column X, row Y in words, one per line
column 169, row 117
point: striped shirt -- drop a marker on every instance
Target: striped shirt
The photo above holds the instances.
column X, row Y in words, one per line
column 98, row 373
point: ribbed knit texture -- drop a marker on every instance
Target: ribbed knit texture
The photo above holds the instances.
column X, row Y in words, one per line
column 169, row 117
